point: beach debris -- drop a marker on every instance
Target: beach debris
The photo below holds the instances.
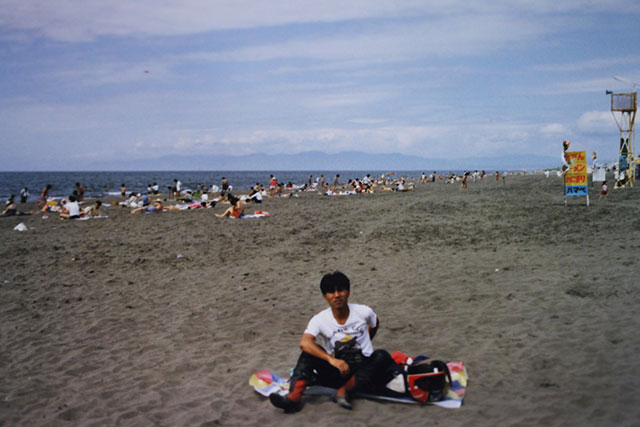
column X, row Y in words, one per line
column 179, row 256
column 20, row 227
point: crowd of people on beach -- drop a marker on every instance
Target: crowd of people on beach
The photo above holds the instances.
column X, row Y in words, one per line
column 202, row 196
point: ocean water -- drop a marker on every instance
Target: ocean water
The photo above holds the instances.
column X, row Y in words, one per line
column 101, row 184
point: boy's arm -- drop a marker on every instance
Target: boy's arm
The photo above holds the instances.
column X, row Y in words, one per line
column 308, row 345
column 373, row 330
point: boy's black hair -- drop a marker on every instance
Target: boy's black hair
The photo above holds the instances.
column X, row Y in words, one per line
column 336, row 281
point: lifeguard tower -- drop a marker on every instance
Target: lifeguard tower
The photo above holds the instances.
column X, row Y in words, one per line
column 623, row 108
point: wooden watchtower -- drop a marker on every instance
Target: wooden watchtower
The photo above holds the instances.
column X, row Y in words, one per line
column 623, row 108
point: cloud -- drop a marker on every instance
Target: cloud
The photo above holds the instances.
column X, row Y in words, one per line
column 579, row 85
column 331, row 100
column 447, row 140
column 73, row 21
column 110, row 72
column 584, row 6
column 596, row 122
column 391, row 42
column 422, row 77
column 365, row 121
column 32, row 117
column 385, row 139
column 554, row 129
column 591, row 64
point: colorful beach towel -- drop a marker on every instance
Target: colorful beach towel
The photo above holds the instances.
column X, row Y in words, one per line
column 267, row 382
column 258, row 214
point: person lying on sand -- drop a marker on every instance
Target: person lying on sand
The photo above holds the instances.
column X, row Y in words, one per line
column 156, row 207
column 347, row 359
column 172, row 207
column 12, row 210
column 236, row 210
column 400, row 186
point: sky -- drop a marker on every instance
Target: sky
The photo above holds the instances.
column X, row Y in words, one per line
column 93, row 80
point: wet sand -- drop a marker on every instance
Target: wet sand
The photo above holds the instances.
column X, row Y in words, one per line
column 140, row 320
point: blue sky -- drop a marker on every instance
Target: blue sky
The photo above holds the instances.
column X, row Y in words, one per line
column 83, row 81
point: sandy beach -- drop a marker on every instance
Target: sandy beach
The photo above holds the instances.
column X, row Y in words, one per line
column 138, row 320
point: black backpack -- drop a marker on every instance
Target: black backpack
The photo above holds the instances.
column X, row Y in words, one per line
column 426, row 381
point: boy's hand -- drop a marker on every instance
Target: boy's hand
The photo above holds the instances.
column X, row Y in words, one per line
column 341, row 365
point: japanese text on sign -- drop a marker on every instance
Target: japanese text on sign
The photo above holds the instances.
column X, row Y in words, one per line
column 575, row 179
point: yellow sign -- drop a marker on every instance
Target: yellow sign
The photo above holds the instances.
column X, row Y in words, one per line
column 575, row 179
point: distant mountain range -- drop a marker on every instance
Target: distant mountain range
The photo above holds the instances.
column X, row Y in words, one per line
column 316, row 160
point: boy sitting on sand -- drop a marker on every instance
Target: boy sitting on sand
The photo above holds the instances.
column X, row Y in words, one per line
column 71, row 209
column 93, row 211
column 347, row 359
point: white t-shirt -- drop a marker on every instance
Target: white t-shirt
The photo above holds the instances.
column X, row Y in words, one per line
column 325, row 327
column 73, row 208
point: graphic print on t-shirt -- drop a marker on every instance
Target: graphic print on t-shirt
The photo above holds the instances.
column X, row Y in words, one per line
column 348, row 334
column 348, row 350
